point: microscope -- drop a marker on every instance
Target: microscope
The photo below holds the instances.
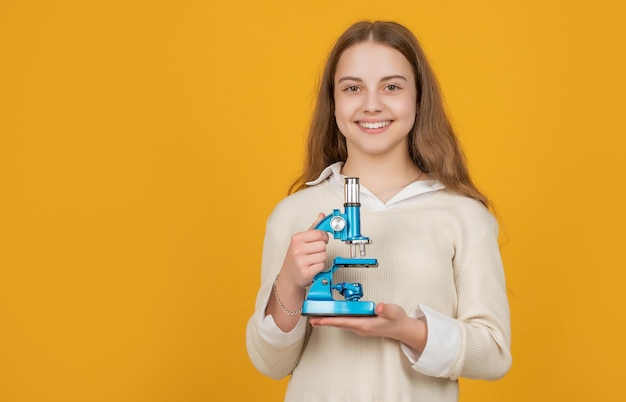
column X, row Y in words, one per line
column 346, row 227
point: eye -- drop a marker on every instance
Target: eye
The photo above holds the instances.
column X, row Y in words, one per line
column 392, row 87
column 351, row 88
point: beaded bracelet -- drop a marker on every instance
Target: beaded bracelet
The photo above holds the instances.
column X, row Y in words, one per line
column 285, row 310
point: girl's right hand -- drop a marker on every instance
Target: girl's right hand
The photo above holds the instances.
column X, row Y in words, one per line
column 305, row 258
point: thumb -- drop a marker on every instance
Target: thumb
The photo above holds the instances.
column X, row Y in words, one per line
column 390, row 311
column 319, row 218
column 379, row 309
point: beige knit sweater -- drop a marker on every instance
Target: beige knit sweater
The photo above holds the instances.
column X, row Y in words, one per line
column 441, row 253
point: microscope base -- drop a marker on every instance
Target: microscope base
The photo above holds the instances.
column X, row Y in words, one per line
column 335, row 308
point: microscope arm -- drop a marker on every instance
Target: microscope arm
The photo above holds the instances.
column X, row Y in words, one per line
column 334, row 223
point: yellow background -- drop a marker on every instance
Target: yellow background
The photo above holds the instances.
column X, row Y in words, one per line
column 144, row 143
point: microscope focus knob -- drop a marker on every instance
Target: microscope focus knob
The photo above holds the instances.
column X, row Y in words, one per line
column 337, row 223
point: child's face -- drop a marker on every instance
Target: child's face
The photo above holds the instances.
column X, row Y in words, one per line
column 375, row 99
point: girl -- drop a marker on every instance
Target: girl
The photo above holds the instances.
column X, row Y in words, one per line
column 442, row 309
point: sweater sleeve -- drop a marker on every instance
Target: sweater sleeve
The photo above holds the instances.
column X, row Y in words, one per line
column 442, row 346
column 483, row 309
column 273, row 352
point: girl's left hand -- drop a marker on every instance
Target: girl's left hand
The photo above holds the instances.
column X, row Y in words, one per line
column 391, row 321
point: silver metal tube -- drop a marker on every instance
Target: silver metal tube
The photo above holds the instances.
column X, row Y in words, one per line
column 351, row 190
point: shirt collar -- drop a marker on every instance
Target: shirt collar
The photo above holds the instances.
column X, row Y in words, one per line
column 332, row 170
column 411, row 194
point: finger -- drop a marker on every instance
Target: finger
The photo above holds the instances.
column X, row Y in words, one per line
column 379, row 309
column 311, row 258
column 315, row 246
column 319, row 218
column 339, row 322
column 312, row 236
column 390, row 311
column 316, row 238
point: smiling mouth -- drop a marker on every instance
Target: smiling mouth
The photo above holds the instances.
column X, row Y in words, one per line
column 378, row 124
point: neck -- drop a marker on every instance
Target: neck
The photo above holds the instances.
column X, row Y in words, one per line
column 383, row 178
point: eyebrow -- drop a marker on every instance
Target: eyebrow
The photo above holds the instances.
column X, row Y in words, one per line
column 387, row 78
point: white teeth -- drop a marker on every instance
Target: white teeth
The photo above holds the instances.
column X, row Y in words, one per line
column 379, row 124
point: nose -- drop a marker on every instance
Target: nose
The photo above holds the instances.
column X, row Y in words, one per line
column 373, row 102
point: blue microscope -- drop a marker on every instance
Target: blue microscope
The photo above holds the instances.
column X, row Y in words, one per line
column 346, row 227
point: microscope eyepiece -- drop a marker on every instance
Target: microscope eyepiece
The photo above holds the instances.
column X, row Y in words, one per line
column 351, row 192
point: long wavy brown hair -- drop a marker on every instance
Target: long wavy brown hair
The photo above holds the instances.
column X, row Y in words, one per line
column 433, row 144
